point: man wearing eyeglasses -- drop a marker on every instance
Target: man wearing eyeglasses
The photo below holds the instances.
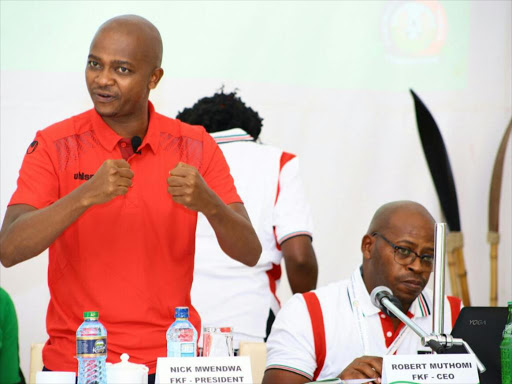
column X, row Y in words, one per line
column 336, row 331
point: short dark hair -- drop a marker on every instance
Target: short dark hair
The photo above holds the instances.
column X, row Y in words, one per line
column 221, row 112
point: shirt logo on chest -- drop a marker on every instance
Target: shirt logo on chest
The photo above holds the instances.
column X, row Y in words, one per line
column 82, row 176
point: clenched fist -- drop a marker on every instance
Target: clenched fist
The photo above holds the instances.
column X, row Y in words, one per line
column 112, row 179
column 187, row 187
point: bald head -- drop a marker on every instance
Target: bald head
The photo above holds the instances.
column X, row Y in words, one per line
column 383, row 217
column 123, row 67
column 402, row 225
column 136, row 27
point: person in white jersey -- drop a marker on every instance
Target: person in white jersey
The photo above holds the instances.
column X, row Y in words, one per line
column 336, row 331
column 226, row 292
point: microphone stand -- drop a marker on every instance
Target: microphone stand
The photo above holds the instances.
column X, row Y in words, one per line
column 447, row 341
column 437, row 341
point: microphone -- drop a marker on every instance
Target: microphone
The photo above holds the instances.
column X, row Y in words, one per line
column 379, row 294
column 136, row 142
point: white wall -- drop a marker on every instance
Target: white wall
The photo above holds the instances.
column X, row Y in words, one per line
column 331, row 80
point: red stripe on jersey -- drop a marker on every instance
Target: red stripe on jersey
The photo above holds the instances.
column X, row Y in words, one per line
column 273, row 275
column 285, row 157
column 455, row 304
column 317, row 323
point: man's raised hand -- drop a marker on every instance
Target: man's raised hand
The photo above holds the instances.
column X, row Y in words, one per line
column 112, row 179
column 187, row 187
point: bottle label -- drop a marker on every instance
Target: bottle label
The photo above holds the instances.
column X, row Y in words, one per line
column 187, row 349
column 91, row 346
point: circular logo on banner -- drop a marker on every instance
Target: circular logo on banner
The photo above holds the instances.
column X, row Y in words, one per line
column 32, row 147
column 414, row 29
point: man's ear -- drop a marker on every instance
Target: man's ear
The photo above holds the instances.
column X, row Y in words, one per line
column 367, row 246
column 155, row 78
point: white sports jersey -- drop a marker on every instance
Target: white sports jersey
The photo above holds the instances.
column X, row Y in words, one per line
column 353, row 327
column 225, row 292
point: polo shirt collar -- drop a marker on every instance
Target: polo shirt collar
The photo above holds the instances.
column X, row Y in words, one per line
column 420, row 307
column 231, row 135
column 109, row 138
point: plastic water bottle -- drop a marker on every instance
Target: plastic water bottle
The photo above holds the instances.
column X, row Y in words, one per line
column 181, row 335
column 506, row 349
column 91, row 350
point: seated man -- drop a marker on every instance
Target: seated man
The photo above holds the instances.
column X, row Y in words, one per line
column 336, row 331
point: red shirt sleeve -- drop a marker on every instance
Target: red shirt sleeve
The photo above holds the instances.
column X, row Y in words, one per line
column 37, row 181
column 216, row 172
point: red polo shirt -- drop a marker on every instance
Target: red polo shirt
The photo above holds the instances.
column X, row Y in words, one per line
column 131, row 259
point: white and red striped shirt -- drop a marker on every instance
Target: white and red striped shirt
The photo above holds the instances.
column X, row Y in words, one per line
column 226, row 292
column 346, row 326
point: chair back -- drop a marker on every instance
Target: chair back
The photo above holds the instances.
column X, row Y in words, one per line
column 257, row 352
column 36, row 361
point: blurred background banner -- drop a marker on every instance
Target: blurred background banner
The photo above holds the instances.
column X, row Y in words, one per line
column 331, row 81
column 345, row 44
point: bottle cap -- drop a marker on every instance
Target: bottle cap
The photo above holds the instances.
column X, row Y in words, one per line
column 509, row 303
column 181, row 312
column 91, row 315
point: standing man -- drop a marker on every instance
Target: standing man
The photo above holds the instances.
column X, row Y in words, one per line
column 336, row 331
column 225, row 291
column 114, row 193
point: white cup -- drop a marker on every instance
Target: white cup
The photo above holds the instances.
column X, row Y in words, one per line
column 55, row 377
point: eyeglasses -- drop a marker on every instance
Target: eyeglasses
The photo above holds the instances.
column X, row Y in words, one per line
column 406, row 256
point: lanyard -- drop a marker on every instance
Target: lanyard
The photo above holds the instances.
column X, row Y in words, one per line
column 398, row 341
column 360, row 320
column 362, row 323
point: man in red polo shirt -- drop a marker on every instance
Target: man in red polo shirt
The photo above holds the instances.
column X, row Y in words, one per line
column 114, row 193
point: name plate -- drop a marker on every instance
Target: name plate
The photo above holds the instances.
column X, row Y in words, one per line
column 430, row 369
column 203, row 370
